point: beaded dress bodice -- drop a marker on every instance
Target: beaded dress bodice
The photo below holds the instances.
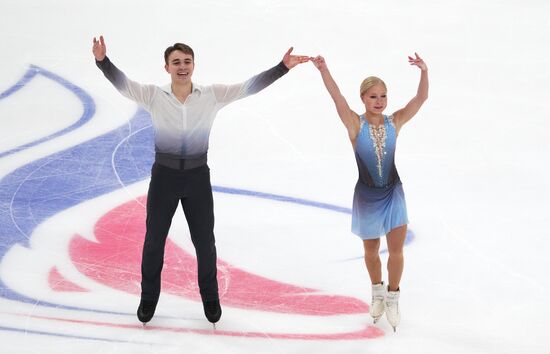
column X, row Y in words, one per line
column 375, row 152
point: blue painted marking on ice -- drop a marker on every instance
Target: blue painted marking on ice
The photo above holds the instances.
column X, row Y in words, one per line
column 87, row 102
column 29, row 75
column 37, row 191
column 281, row 198
column 43, row 188
column 26, row 331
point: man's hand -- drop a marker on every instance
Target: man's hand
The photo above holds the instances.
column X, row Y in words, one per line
column 291, row 61
column 99, row 49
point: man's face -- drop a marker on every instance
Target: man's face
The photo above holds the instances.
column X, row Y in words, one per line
column 180, row 66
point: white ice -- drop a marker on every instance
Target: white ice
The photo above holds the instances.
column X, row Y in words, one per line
column 474, row 163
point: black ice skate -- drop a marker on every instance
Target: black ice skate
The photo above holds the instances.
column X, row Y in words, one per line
column 146, row 310
column 212, row 311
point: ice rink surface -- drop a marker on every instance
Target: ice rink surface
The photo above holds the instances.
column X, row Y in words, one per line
column 75, row 160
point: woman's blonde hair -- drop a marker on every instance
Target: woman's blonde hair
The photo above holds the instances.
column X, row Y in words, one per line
column 370, row 82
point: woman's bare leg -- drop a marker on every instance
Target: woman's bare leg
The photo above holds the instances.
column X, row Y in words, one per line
column 372, row 260
column 395, row 240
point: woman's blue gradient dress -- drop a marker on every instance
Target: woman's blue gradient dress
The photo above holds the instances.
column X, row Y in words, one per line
column 379, row 201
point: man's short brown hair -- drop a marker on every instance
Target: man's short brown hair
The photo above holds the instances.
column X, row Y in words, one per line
column 178, row 46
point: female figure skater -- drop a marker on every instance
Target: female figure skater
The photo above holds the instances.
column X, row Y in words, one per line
column 379, row 202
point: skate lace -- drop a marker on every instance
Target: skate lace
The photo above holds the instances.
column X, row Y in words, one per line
column 392, row 305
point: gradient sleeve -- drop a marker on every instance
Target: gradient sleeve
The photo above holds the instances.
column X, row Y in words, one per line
column 228, row 93
column 139, row 93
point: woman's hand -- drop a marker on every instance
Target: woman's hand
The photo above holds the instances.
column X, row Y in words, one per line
column 319, row 62
column 418, row 62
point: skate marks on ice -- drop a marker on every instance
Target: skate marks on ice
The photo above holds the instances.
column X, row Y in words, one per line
column 89, row 271
column 103, row 267
column 111, row 261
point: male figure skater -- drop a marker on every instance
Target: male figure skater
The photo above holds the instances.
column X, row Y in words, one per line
column 182, row 114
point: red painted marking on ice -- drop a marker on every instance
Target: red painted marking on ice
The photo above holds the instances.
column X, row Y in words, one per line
column 368, row 332
column 59, row 283
column 115, row 261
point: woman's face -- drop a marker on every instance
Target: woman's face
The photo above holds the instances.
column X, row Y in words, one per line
column 375, row 99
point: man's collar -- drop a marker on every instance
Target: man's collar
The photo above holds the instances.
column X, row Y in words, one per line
column 194, row 88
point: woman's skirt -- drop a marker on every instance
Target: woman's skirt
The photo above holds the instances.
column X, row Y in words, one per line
column 377, row 211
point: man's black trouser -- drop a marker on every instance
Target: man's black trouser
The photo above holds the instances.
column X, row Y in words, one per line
column 167, row 188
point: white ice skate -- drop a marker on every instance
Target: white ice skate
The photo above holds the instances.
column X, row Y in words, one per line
column 392, row 308
column 377, row 306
